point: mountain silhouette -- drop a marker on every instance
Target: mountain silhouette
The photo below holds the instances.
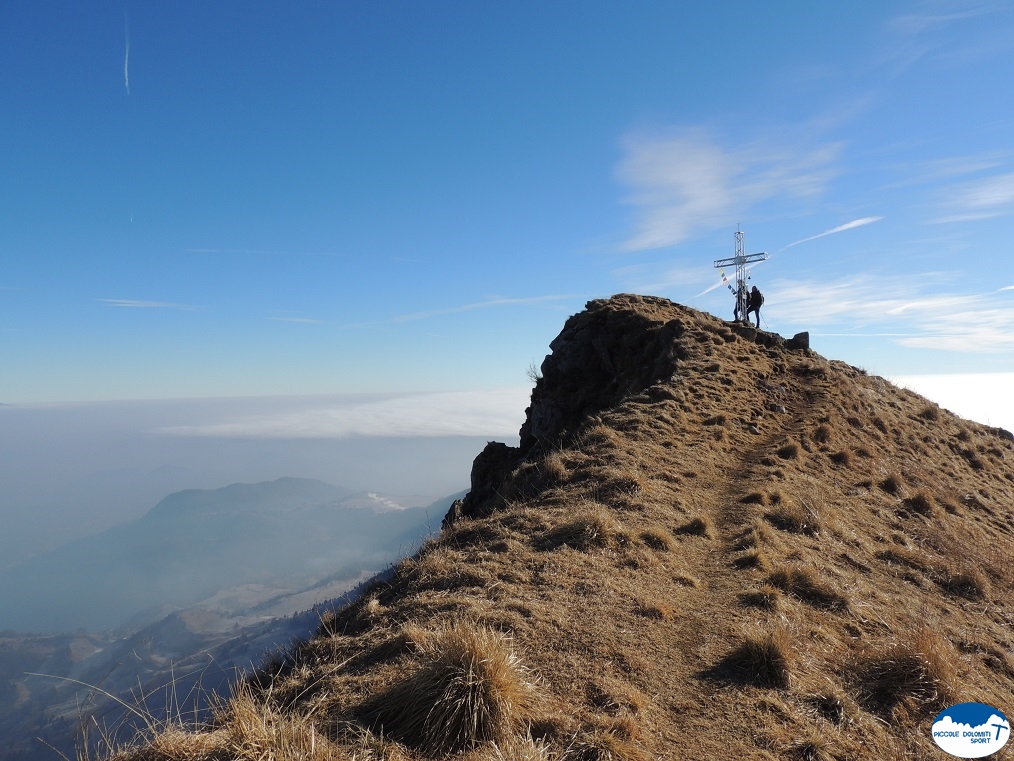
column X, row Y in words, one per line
column 196, row 543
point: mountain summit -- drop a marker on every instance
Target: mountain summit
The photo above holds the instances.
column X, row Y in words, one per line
column 710, row 543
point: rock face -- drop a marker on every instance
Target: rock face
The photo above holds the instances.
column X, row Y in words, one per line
column 616, row 348
column 601, row 356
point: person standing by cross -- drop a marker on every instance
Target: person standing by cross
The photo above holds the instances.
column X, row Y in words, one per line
column 745, row 303
column 756, row 299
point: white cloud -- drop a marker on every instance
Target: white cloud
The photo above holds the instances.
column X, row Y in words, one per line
column 981, row 199
column 496, row 413
column 644, row 278
column 684, row 183
column 899, row 306
column 495, row 302
column 136, row 304
column 916, row 35
column 983, row 397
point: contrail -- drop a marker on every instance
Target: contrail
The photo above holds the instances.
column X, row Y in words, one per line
column 126, row 55
column 832, row 231
column 838, row 229
column 720, row 283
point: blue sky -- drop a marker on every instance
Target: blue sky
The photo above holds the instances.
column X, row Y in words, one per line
column 236, row 199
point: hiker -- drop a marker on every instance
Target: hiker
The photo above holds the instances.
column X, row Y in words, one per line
column 741, row 302
column 756, row 299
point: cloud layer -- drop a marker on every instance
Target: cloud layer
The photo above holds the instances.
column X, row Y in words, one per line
column 900, row 306
column 496, row 413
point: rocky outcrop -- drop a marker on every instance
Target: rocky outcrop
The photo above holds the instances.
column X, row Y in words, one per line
column 616, row 348
column 602, row 355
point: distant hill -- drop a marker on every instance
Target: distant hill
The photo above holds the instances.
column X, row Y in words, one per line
column 196, row 544
column 711, row 543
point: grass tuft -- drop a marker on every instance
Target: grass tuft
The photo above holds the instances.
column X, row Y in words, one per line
column 801, row 583
column 657, row 539
column 892, row 484
column 794, row 518
column 920, row 673
column 469, row 688
column 843, row 458
column 763, row 659
column 766, row 598
column 789, row 451
column 591, row 529
column 699, row 526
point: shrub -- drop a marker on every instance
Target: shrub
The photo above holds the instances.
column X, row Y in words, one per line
column 822, row 434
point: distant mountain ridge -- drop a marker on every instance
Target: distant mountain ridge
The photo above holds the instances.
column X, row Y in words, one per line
column 195, row 543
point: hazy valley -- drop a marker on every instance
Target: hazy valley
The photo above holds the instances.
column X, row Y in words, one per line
column 203, row 584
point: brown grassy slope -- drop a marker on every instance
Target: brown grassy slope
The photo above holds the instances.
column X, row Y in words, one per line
column 707, row 547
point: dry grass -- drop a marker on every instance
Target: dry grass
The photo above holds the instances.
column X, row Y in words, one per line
column 918, row 675
column 657, row 539
column 699, row 526
column 801, row 582
column 767, row 597
column 788, row 451
column 468, row 688
column 794, row 517
column 893, row 484
column 920, row 502
column 763, row 659
column 591, row 528
column 246, row 729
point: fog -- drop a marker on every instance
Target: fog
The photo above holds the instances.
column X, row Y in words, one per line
column 71, row 470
